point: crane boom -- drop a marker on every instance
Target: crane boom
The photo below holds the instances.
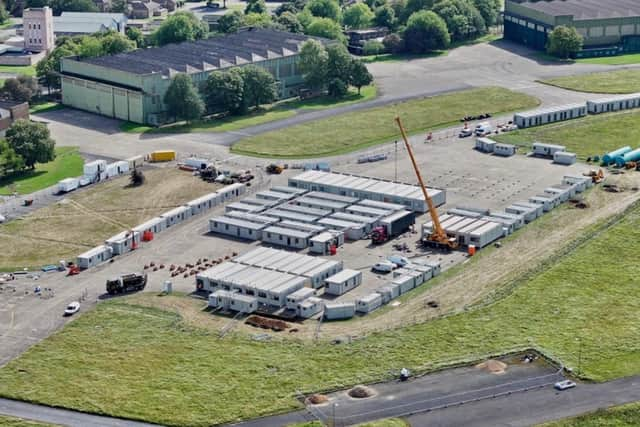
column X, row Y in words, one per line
column 438, row 235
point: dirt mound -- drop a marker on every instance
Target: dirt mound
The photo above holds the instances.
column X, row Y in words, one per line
column 361, row 392
column 494, row 366
column 317, row 399
column 266, row 323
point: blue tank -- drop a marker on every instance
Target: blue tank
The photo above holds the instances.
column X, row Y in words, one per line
column 610, row 158
column 631, row 156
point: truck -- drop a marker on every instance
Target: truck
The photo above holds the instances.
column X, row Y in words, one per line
column 126, row 283
column 392, row 226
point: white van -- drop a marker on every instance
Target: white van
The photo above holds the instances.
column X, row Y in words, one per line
column 484, row 129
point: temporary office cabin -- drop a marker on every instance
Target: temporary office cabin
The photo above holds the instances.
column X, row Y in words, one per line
column 291, row 190
column 352, row 230
column 124, row 242
column 94, row 256
column 275, row 195
column 549, row 115
column 290, row 216
column 322, row 243
column 508, row 225
column 309, row 307
column 339, row 310
column 300, row 295
column 564, row 158
column 539, row 209
column 546, row 150
column 370, row 211
column 93, row 168
column 319, row 274
column 305, row 210
column 236, row 227
column 244, row 207
column 404, row 283
column 485, row 145
column 287, row 237
column 518, row 219
column 154, row 225
column 381, row 205
column 614, row 103
column 302, row 226
column 231, row 191
column 68, row 184
column 504, row 150
column 135, row 162
column 368, row 303
column 368, row 222
column 204, row 203
column 425, row 270
column 315, row 203
column 259, row 202
column 214, row 277
column 196, row 163
column 176, row 216
column 333, row 197
column 465, row 213
column 564, row 193
column 386, row 292
column 343, row 282
column 547, row 203
column 528, row 213
column 581, row 182
column 233, row 301
column 488, row 233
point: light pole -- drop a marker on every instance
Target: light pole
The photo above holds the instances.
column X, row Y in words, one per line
column 333, row 416
column 396, row 162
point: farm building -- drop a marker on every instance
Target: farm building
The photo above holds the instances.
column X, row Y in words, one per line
column 232, row 301
column 343, row 282
column 154, row 225
column 368, row 303
column 124, row 242
column 614, row 103
column 339, row 310
column 549, row 115
column 237, row 227
column 323, row 242
column 288, row 237
column 204, row 203
column 608, row 27
column 131, row 86
column 94, row 256
column 407, row 195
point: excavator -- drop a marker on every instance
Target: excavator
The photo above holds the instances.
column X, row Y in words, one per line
column 438, row 237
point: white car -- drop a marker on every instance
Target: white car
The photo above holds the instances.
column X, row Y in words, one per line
column 384, row 266
column 465, row 132
column 2, row 219
column 484, row 129
column 399, row 260
column 564, row 385
column 72, row 308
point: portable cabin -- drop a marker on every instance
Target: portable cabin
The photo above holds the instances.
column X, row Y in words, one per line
column 508, row 224
column 117, row 168
column 564, row 158
column 260, row 202
column 581, row 182
column 486, row 234
column 124, row 242
column 305, row 210
column 397, row 223
column 204, row 203
column 318, row 275
column 68, row 184
column 563, row 192
column 614, row 103
column 94, row 168
column 339, row 310
column 274, row 195
column 291, row 190
column 352, row 230
column 176, row 216
column 154, row 226
column 244, row 207
column 231, row 192
column 277, row 295
column 404, row 283
column 370, row 211
column 393, row 207
column 323, row 242
column 425, row 270
column 312, row 202
column 546, row 150
column 517, row 218
column 291, row 216
column 287, row 237
column 465, row 213
column 539, row 209
column 162, row 156
column 135, row 162
column 300, row 295
column 504, row 150
column 235, row 227
column 94, row 256
column 212, row 278
column 549, row 115
column 368, row 222
column 332, row 197
column 385, row 293
column 547, row 203
column 233, row 301
column 368, row 303
column 528, row 213
column 309, row 307
column 485, row 145
column 196, row 163
column 343, row 282
column 302, row 226
column 416, row 275
column 259, row 219
column 435, row 266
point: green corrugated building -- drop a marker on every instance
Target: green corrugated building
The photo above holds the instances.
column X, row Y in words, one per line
column 131, row 86
column 609, row 27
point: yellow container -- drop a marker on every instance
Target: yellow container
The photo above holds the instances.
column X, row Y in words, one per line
column 163, row 156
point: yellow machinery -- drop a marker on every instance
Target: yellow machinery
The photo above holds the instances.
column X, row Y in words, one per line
column 438, row 236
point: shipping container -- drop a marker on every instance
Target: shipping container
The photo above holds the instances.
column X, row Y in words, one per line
column 368, row 303
column 504, row 150
column 549, row 115
column 94, row 256
column 343, row 282
column 614, row 103
column 398, row 222
column 196, row 163
column 124, row 242
column 162, row 156
column 339, row 310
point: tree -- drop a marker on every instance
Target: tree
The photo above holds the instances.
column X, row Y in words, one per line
column 564, row 42
column 489, row 9
column 337, row 87
column 224, row 91
column 374, row 4
column 90, row 47
column 338, row 62
column 360, row 76
column 358, row 16
column 182, row 99
column 313, row 64
column 425, row 32
column 119, row 6
column 135, row 35
column 31, row 141
column 259, row 86
column 255, row 6
column 324, row 9
column 230, row 22
column 10, row 161
column 59, row 6
column 179, row 27
column 325, row 27
column 373, row 47
column 113, row 43
column 462, row 18
column 385, row 16
column 286, row 7
column 290, row 22
column 393, row 43
column 20, row 89
column 4, row 15
column 261, row 20
column 413, row 6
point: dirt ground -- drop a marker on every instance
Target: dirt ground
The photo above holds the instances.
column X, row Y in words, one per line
column 85, row 219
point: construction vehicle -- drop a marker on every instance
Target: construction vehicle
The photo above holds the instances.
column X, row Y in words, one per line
column 209, row 174
column 274, row 169
column 596, row 176
column 126, row 283
column 438, row 237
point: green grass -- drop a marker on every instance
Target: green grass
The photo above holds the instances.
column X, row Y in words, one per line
column 45, row 107
column 29, row 70
column 8, row 24
column 587, row 137
column 617, row 416
column 6, row 421
column 146, row 363
column 389, row 422
column 68, row 163
column 357, row 130
column 632, row 58
column 620, row 81
column 367, row 93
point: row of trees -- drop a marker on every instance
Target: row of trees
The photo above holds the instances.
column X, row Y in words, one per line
column 26, row 143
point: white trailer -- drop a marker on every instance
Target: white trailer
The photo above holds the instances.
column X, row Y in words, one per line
column 298, row 296
column 546, row 150
column 368, row 303
column 343, row 282
column 539, row 209
column 339, row 310
column 204, row 203
column 154, row 225
column 549, row 115
column 124, row 242
column 504, row 150
column 68, row 184
column 176, row 216
column 581, row 182
column 322, row 243
column 485, row 145
column 564, row 158
column 309, row 307
column 547, row 203
column 404, row 283
column 135, row 162
column 94, row 256
column 92, row 169
column 488, row 233
column 614, row 103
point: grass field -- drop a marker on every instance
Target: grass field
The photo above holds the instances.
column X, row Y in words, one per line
column 389, row 422
column 279, row 111
column 621, row 81
column 356, row 130
column 147, row 363
column 593, row 135
column 632, row 58
column 29, row 70
column 45, row 107
column 6, row 421
column 73, row 232
column 618, row 416
column 68, row 163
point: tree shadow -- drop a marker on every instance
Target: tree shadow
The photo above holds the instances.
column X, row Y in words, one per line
column 540, row 57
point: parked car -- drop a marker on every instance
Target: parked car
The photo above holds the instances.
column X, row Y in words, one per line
column 465, row 132
column 484, row 129
column 564, row 385
column 399, row 260
column 72, row 308
column 2, row 219
column 384, row 267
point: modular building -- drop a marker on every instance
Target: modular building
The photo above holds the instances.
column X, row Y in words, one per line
column 369, row 222
column 485, row 145
column 546, row 150
column 614, row 103
column 154, row 225
column 404, row 283
column 94, row 168
column 231, row 191
column 298, row 296
column 275, row 195
column 135, row 162
column 547, row 203
column 244, row 207
column 370, row 211
column 529, row 213
column 305, row 210
column 323, row 242
column 581, row 182
column 368, row 303
column 288, row 237
column 302, row 226
column 320, row 273
column 285, row 189
column 360, row 187
column 124, row 242
column 332, row 197
column 236, row 227
column 339, row 310
column 117, row 168
column 564, row 158
column 464, row 212
column 68, row 184
column 264, row 203
column 397, row 223
column 518, row 219
column 94, row 256
column 394, row 207
column 204, row 203
column 549, row 115
column 504, row 150
column 352, row 230
column 565, row 192
column 486, row 234
column 176, row 216
column 291, row 216
column 315, row 203
column 343, row 282
column 233, row 301
column 309, row 307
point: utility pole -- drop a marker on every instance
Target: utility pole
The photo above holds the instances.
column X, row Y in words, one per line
column 396, row 162
column 580, row 356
